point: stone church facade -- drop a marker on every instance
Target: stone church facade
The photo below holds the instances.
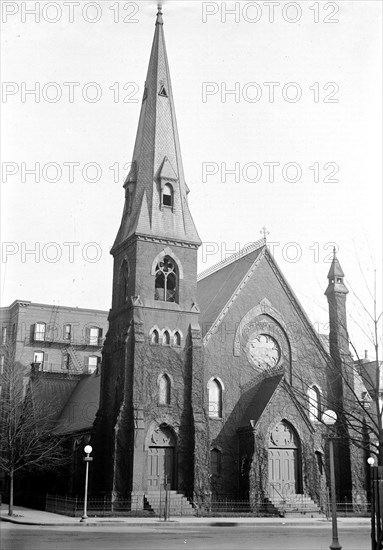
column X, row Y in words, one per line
column 213, row 387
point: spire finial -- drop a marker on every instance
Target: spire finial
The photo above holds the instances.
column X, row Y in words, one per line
column 264, row 232
column 159, row 20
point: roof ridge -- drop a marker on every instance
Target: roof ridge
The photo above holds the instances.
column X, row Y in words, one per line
column 231, row 259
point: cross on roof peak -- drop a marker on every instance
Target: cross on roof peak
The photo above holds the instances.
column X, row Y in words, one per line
column 264, row 232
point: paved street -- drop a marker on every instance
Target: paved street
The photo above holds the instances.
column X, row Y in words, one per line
column 210, row 537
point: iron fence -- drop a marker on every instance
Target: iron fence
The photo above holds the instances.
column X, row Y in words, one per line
column 96, row 506
column 179, row 506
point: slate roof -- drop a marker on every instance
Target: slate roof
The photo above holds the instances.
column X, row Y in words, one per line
column 335, row 269
column 157, row 154
column 80, row 410
column 325, row 339
column 52, row 392
column 215, row 289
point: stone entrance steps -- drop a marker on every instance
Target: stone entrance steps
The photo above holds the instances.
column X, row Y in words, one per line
column 295, row 505
column 178, row 504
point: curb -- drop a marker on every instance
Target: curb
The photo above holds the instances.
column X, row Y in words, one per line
column 175, row 523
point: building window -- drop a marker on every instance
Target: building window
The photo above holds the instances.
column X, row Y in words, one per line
column 167, row 195
column 164, row 390
column 94, row 336
column 319, row 458
column 166, row 281
column 124, row 283
column 128, row 201
column 155, row 337
column 92, row 364
column 215, row 398
column 66, row 361
column 67, row 332
column 314, row 403
column 166, row 338
column 38, row 357
column 39, row 335
column 4, row 335
column 215, row 462
column 177, row 339
column 163, row 92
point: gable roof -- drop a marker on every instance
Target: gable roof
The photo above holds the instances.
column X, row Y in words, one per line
column 256, row 399
column 217, row 285
column 80, row 410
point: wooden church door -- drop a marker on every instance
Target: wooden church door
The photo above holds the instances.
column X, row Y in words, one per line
column 283, row 462
column 161, row 460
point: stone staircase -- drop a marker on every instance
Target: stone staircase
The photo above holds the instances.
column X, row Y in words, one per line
column 295, row 505
column 178, row 504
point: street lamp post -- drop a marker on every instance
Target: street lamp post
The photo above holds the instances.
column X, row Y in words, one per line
column 371, row 462
column 88, row 449
column 329, row 418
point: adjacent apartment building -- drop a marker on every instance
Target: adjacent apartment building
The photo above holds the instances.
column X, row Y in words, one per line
column 54, row 339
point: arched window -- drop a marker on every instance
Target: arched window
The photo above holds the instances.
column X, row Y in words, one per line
column 166, row 338
column 124, row 282
column 215, row 398
column 155, row 337
column 177, row 339
column 164, row 390
column 314, row 403
column 215, row 462
column 167, row 195
column 166, row 281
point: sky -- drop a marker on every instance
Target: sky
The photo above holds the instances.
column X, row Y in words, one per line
column 279, row 114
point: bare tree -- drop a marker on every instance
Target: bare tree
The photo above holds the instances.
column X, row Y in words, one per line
column 26, row 422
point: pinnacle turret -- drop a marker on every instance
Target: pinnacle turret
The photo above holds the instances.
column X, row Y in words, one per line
column 335, row 277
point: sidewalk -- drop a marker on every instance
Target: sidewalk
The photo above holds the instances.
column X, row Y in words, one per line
column 27, row 516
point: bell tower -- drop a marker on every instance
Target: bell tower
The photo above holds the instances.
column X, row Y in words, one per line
column 152, row 391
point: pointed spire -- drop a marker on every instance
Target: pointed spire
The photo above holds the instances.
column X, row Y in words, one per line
column 335, row 276
column 157, row 164
column 335, row 269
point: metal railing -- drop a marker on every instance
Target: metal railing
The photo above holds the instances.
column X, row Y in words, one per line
column 53, row 339
column 178, row 506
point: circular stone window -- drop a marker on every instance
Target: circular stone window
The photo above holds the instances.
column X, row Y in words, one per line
column 263, row 351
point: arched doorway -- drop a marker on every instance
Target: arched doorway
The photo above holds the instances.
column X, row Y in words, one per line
column 161, row 459
column 284, row 470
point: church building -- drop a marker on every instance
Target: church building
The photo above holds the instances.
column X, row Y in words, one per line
column 212, row 386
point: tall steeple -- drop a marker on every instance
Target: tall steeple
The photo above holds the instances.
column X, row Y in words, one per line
column 156, row 202
column 152, row 378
